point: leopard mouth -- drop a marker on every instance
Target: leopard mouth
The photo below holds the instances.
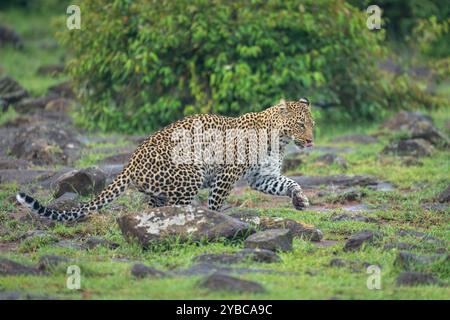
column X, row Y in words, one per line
column 304, row 145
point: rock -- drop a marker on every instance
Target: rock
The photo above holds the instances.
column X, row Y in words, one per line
column 13, row 164
column 349, row 195
column 50, row 70
column 67, row 201
column 271, row 239
column 12, row 268
column 11, row 91
column 59, row 105
column 92, row 242
column 297, row 228
column 9, row 36
column 418, row 234
column 356, row 138
column 331, row 158
column 62, row 90
column 339, row 263
column 412, row 278
column 444, row 196
column 83, row 182
column 292, row 163
column 140, row 270
column 120, row 158
column 221, row 282
column 21, row 177
column 182, row 222
column 69, row 244
column 417, row 126
column 412, row 162
column 357, row 240
column 339, row 180
column 257, row 255
column 44, row 144
column 347, row 217
column 218, row 258
column 27, row 105
column 410, row 147
column 210, row 268
column 400, row 246
column 49, row 262
column 408, row 260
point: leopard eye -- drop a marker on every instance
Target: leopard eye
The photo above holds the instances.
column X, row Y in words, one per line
column 302, row 125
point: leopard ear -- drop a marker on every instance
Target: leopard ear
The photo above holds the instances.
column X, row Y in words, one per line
column 282, row 105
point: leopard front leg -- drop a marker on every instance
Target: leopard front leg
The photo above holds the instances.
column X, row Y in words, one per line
column 279, row 185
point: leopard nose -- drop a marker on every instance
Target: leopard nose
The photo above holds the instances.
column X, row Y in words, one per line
column 309, row 143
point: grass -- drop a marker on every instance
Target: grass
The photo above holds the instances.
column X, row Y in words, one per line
column 105, row 272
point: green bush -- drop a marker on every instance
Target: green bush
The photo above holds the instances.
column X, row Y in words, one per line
column 139, row 65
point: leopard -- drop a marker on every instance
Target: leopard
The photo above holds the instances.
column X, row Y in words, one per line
column 169, row 178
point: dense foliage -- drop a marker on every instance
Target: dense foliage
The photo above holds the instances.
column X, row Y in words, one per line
column 145, row 63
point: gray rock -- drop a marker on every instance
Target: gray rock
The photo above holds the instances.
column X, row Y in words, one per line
column 407, row 260
column 417, row 126
column 11, row 91
column 331, row 158
column 410, row 147
column 185, row 223
column 62, row 90
column 271, row 239
column 339, row 180
column 257, row 255
column 297, row 228
column 12, row 268
column 413, row 278
column 48, row 262
column 50, row 69
column 210, row 268
column 7, row 164
column 44, row 144
column 347, row 217
column 418, row 234
column 10, row 36
column 400, row 246
column 221, row 282
column 444, row 196
column 357, row 240
column 27, row 105
column 83, row 182
column 69, row 244
column 92, row 242
column 140, row 270
column 356, row 138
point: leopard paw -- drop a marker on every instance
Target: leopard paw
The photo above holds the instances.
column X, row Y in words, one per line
column 300, row 201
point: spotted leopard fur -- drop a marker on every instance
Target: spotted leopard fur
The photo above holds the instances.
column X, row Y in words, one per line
column 152, row 169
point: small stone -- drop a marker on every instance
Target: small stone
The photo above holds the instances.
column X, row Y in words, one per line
column 410, row 147
column 260, row 255
column 221, row 282
column 357, row 240
column 413, row 278
column 347, row 217
column 48, row 261
column 92, row 242
column 83, row 182
column 12, row 268
column 339, row 263
column 444, row 196
column 271, row 239
column 218, row 258
column 400, row 246
column 140, row 270
column 408, row 260
column 356, row 138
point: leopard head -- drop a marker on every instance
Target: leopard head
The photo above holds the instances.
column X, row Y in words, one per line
column 297, row 121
